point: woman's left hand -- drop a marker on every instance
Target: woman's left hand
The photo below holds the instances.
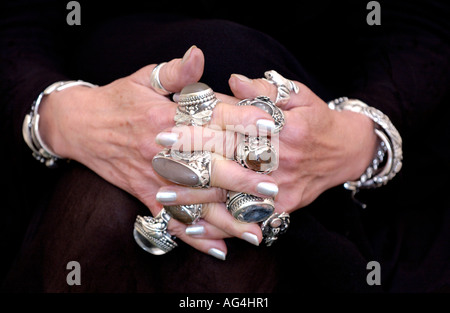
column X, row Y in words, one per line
column 318, row 148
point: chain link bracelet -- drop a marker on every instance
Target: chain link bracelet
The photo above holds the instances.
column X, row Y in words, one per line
column 390, row 144
column 30, row 126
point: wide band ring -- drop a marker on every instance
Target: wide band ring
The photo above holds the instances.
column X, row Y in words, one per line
column 284, row 86
column 151, row 234
column 156, row 83
column 257, row 154
column 267, row 105
column 249, row 208
column 187, row 214
column 192, row 169
column 277, row 224
column 195, row 105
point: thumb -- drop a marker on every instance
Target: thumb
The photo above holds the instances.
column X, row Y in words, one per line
column 244, row 88
column 175, row 74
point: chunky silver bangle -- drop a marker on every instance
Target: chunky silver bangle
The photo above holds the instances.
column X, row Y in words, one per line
column 390, row 144
column 30, row 126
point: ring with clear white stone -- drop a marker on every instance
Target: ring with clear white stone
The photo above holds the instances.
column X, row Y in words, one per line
column 257, row 154
column 151, row 234
column 195, row 105
column 186, row 168
column 284, row 86
column 187, row 214
column 277, row 224
column 249, row 208
column 156, row 83
column 267, row 105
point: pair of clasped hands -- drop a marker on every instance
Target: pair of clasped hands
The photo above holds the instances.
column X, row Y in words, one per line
column 116, row 130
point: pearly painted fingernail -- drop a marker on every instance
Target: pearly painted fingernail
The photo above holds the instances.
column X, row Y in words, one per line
column 268, row 124
column 252, row 238
column 195, row 230
column 217, row 253
column 166, row 196
column 267, row 189
column 176, row 97
column 166, row 139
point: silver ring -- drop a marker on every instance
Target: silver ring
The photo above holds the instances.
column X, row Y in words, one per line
column 249, row 208
column 187, row 214
column 277, row 224
column 151, row 234
column 284, row 86
column 156, row 83
column 191, row 169
column 195, row 105
column 257, row 154
column 267, row 105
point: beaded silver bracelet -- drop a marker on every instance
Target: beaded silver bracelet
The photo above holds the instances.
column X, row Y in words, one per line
column 390, row 144
column 30, row 126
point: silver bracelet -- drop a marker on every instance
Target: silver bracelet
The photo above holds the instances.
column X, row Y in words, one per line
column 390, row 144
column 30, row 126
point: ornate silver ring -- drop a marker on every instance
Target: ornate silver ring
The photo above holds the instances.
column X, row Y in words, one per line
column 284, row 86
column 249, row 208
column 257, row 154
column 275, row 225
column 151, row 234
column 191, row 169
column 267, row 105
column 156, row 83
column 187, row 214
column 195, row 105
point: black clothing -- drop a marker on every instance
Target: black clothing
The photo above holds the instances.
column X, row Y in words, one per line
column 51, row 217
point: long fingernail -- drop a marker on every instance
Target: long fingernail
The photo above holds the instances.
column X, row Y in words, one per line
column 242, row 78
column 217, row 253
column 252, row 238
column 267, row 189
column 187, row 54
column 268, row 124
column 166, row 139
column 195, row 230
column 166, row 196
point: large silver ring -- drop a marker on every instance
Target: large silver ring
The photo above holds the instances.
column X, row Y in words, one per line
column 284, row 86
column 195, row 105
column 151, row 234
column 257, row 154
column 187, row 168
column 187, row 214
column 267, row 105
column 277, row 224
column 249, row 208
column 156, row 83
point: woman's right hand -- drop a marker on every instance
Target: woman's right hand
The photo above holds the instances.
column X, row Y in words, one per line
column 112, row 129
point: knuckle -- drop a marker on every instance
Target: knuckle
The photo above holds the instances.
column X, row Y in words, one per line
column 268, row 88
column 159, row 116
column 146, row 148
column 206, row 210
column 176, row 228
column 220, row 114
column 245, row 179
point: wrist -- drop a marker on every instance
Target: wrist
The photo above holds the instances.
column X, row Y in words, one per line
column 390, row 148
column 55, row 111
column 41, row 129
column 360, row 142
